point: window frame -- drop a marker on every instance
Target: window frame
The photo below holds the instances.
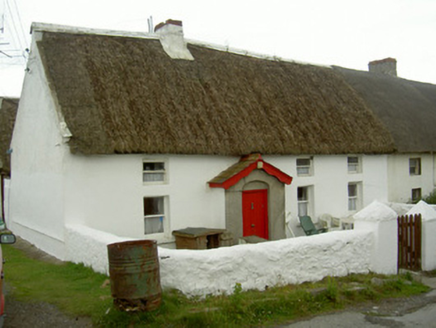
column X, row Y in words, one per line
column 416, row 199
column 162, row 216
column 356, row 198
column 357, row 166
column 307, row 201
column 415, row 170
column 163, row 171
column 309, row 166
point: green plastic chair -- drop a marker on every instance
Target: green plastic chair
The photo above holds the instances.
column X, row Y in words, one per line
column 308, row 226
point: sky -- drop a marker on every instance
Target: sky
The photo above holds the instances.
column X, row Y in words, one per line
column 347, row 33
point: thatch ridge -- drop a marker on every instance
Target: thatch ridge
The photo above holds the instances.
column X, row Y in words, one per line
column 8, row 113
column 125, row 95
column 407, row 108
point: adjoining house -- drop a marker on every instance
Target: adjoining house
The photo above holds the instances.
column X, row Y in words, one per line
column 8, row 112
column 141, row 134
column 408, row 110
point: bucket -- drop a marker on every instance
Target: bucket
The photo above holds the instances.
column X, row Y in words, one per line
column 134, row 275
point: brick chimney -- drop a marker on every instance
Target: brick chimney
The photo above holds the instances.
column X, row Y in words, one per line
column 385, row 66
column 171, row 37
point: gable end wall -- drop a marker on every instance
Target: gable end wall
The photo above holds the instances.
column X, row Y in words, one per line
column 37, row 163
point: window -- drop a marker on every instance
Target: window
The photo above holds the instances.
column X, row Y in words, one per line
column 353, row 164
column 353, row 196
column 153, row 215
column 415, row 166
column 303, row 201
column 416, row 195
column 153, row 171
column 304, row 166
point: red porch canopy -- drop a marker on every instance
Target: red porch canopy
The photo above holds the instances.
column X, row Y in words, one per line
column 243, row 168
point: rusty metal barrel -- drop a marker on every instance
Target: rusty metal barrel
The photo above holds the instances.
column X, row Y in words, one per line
column 134, row 275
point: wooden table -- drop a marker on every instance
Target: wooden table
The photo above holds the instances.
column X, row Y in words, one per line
column 198, row 238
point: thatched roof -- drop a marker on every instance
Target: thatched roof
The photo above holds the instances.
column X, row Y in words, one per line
column 8, row 113
column 126, row 95
column 407, row 108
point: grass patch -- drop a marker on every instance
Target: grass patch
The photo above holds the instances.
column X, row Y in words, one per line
column 79, row 291
column 75, row 289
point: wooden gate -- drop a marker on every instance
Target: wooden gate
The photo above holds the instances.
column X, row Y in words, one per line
column 409, row 242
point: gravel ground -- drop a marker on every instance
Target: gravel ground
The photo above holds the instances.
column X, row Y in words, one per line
column 38, row 315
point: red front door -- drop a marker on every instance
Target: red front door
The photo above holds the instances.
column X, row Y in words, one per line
column 255, row 213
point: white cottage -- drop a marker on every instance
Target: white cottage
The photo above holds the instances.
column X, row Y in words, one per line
column 140, row 135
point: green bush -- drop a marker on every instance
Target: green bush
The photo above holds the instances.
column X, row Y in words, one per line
column 430, row 198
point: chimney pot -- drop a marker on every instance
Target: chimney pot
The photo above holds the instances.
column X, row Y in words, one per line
column 386, row 66
column 168, row 22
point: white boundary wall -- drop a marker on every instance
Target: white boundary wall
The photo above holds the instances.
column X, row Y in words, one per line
column 428, row 244
column 259, row 266
column 371, row 246
column 254, row 266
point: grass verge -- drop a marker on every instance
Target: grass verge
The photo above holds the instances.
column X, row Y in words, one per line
column 79, row 291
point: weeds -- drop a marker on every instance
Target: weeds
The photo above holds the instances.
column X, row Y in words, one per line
column 332, row 291
column 408, row 276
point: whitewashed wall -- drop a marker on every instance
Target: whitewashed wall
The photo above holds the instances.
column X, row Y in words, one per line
column 370, row 247
column 254, row 266
column 428, row 244
column 329, row 184
column 36, row 203
column 259, row 266
column 106, row 193
column 89, row 246
column 375, row 179
column 401, row 182
column 381, row 220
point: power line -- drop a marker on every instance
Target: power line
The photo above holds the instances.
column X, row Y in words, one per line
column 12, row 21
column 4, row 53
column 15, row 26
column 20, row 22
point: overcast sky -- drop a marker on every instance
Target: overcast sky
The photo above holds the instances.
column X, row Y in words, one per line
column 347, row 33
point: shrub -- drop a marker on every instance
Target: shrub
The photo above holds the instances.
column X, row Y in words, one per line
column 430, row 198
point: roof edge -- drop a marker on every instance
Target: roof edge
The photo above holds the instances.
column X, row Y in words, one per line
column 248, row 53
column 47, row 27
